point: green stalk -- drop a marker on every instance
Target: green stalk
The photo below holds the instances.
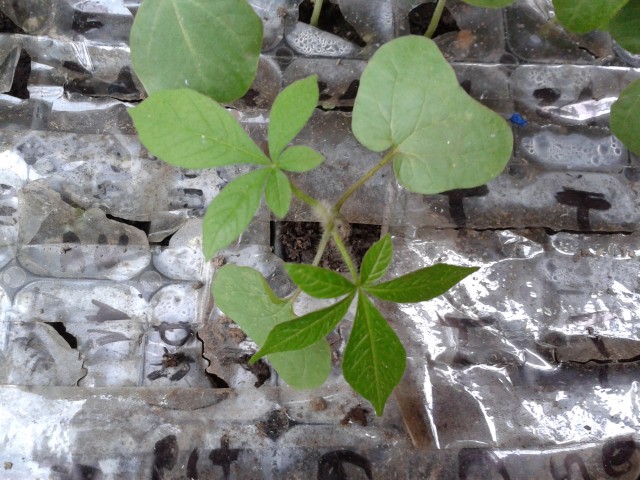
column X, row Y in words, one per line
column 435, row 20
column 345, row 254
column 312, row 202
column 345, row 196
column 315, row 16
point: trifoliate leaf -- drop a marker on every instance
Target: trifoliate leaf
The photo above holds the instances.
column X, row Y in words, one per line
column 421, row 285
column 376, row 261
column 231, row 212
column 291, row 110
column 304, row 331
column 319, row 282
column 244, row 296
column 277, row 193
column 187, row 129
column 299, row 158
column 374, row 360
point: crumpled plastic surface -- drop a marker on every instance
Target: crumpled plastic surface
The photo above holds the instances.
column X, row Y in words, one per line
column 116, row 363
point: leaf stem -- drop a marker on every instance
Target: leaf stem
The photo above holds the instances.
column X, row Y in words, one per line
column 435, row 20
column 345, row 196
column 345, row 254
column 324, row 241
column 315, row 15
column 312, row 202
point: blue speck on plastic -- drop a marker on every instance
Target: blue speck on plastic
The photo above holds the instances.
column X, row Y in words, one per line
column 518, row 119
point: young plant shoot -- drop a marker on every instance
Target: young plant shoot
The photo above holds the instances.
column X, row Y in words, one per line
column 435, row 135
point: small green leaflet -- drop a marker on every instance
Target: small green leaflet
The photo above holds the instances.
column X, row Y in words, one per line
column 319, row 282
column 291, row 110
column 376, row 261
column 421, row 285
column 210, row 46
column 625, row 27
column 231, row 212
column 278, row 193
column 299, row 158
column 582, row 16
column 245, row 297
column 305, row 330
column 489, row 3
column 374, row 360
column 625, row 117
column 410, row 101
column 188, row 129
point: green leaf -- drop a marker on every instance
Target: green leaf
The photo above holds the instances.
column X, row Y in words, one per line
column 245, row 297
column 231, row 212
column 299, row 159
column 374, row 360
column 278, row 193
column 489, row 3
column 319, row 282
column 187, row 129
column 410, row 100
column 290, row 112
column 376, row 261
column 304, row 331
column 210, row 46
column 624, row 27
column 582, row 16
column 421, row 285
column 625, row 117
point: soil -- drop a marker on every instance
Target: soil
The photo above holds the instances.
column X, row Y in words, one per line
column 299, row 241
column 356, row 415
column 7, row 25
column 331, row 20
column 420, row 17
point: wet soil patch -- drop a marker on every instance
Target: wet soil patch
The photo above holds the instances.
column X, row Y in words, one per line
column 260, row 369
column 298, row 242
column 21, row 77
column 331, row 20
column 420, row 17
column 7, row 25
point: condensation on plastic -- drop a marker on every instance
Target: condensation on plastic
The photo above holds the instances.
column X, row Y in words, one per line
column 110, row 341
column 538, row 348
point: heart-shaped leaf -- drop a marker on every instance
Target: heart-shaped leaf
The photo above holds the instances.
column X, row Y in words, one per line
column 376, row 261
column 245, row 297
column 231, row 212
column 374, row 359
column 624, row 27
column 210, row 46
column 421, row 285
column 410, row 101
column 625, row 117
column 188, row 129
column 582, row 16
column 319, row 282
column 290, row 112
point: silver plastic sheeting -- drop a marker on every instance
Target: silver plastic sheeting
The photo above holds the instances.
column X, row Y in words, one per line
column 115, row 362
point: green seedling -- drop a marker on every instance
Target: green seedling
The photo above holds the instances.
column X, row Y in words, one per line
column 436, row 137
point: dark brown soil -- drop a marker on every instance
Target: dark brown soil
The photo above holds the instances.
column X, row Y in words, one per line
column 356, row 415
column 420, row 17
column 332, row 21
column 299, row 241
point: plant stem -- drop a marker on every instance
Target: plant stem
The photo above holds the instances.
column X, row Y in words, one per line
column 315, row 16
column 324, row 241
column 345, row 196
column 345, row 254
column 435, row 20
column 312, row 202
